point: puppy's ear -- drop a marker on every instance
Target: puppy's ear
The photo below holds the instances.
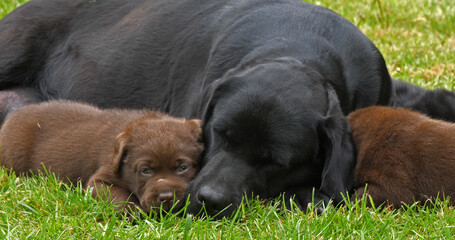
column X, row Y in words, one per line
column 195, row 128
column 337, row 149
column 120, row 152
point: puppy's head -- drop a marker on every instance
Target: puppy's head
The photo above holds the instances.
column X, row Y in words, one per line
column 156, row 158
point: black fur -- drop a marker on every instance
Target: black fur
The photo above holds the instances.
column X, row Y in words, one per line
column 271, row 79
column 438, row 103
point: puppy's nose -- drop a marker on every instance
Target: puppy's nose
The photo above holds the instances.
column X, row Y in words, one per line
column 213, row 200
column 166, row 196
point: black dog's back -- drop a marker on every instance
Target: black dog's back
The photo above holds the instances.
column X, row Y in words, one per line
column 119, row 48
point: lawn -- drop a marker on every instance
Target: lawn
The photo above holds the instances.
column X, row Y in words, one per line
column 417, row 39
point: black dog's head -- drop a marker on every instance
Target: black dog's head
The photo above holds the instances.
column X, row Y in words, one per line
column 270, row 128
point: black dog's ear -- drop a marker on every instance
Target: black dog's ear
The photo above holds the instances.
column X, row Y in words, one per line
column 210, row 96
column 205, row 104
column 120, row 152
column 338, row 151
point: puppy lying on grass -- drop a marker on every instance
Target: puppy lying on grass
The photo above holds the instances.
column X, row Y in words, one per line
column 403, row 156
column 145, row 158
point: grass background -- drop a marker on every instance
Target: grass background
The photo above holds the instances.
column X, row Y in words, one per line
column 417, row 39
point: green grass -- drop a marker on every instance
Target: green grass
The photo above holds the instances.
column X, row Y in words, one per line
column 7, row 6
column 417, row 39
column 44, row 208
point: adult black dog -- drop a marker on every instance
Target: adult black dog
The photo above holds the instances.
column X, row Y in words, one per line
column 271, row 79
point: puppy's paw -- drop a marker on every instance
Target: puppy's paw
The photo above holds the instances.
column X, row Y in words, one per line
column 131, row 211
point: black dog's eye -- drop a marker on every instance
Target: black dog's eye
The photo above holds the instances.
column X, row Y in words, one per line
column 267, row 155
column 146, row 171
column 225, row 133
column 182, row 168
column 229, row 138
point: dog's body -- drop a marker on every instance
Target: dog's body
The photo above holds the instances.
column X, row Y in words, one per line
column 438, row 103
column 403, row 156
column 271, row 80
column 13, row 99
column 105, row 149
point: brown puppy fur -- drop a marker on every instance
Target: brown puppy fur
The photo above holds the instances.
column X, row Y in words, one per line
column 144, row 157
column 403, row 156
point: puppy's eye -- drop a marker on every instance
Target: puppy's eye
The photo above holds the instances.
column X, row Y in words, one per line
column 182, row 168
column 146, row 171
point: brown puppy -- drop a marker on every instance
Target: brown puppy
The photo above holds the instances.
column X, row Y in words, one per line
column 144, row 157
column 403, row 156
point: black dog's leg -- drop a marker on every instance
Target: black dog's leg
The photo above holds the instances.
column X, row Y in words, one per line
column 13, row 99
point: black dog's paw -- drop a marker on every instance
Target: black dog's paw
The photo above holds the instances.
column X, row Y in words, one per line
column 305, row 201
column 288, row 202
column 317, row 203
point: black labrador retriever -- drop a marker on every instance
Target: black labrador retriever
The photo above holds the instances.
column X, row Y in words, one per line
column 272, row 81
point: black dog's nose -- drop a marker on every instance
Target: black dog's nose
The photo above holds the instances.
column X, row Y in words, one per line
column 213, row 200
